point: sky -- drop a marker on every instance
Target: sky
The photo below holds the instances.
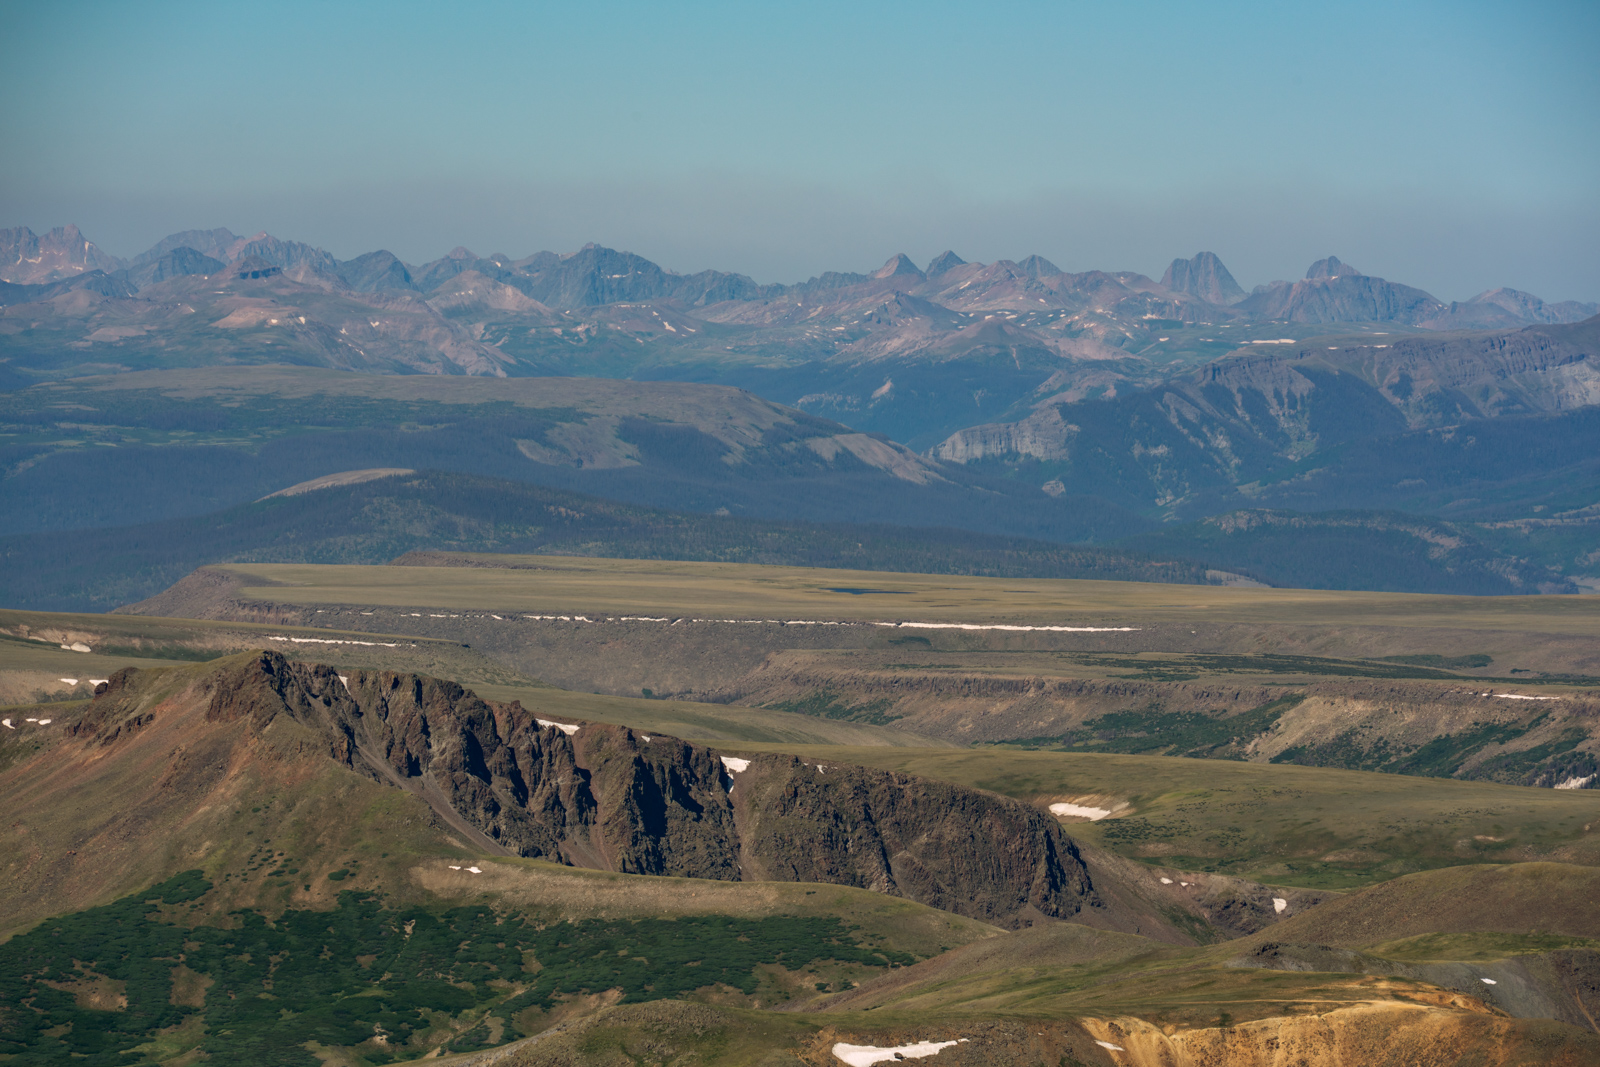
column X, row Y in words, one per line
column 1450, row 145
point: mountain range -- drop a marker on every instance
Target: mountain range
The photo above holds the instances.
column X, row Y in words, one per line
column 914, row 353
column 1160, row 402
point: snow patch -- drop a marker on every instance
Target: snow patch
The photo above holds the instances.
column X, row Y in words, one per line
column 99, row 681
column 1080, row 811
column 1166, row 881
column 566, row 728
column 1488, row 981
column 867, row 1055
column 1577, row 783
column 345, row 680
column 76, row 646
column 69, row 681
column 474, row 870
column 332, row 641
column 1519, row 696
column 1000, row 626
column 735, row 765
column 1109, row 1045
column 1279, row 905
column 45, row 722
column 7, row 724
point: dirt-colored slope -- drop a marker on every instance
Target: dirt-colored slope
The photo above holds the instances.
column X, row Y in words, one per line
column 1521, row 898
column 145, row 783
column 1426, row 1035
column 1355, row 1035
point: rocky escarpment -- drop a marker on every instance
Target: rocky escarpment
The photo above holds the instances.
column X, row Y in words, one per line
column 944, row 845
column 609, row 798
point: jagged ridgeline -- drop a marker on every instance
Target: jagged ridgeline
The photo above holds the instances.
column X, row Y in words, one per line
column 608, row 798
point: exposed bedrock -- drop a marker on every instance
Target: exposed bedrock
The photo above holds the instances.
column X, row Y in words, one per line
column 610, row 798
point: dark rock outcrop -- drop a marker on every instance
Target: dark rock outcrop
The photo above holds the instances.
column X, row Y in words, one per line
column 945, row 845
column 609, row 798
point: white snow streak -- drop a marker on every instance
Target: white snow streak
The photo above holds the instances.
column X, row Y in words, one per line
column 867, row 1055
column 1279, row 905
column 1082, row 812
column 335, row 641
column 1001, row 626
column 566, row 728
column 1007, row 627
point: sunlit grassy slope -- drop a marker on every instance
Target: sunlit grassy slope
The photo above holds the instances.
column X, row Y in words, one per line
column 568, row 585
column 34, row 668
column 1281, row 824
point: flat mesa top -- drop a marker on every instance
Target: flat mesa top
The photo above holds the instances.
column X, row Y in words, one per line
column 575, row 585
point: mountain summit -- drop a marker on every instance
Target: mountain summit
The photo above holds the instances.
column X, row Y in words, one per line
column 1205, row 277
column 1331, row 268
column 899, row 265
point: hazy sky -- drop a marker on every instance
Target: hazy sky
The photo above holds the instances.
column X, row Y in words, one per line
column 1451, row 145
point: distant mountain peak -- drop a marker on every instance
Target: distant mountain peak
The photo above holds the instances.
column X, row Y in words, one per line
column 944, row 261
column 29, row 258
column 461, row 252
column 1038, row 267
column 899, row 264
column 1203, row 276
column 1331, row 268
column 213, row 243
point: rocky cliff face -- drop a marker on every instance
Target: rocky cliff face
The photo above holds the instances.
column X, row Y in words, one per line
column 609, row 798
column 1203, row 276
column 1228, row 421
column 948, row 846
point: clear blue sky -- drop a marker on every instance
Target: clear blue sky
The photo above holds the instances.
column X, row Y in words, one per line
column 1454, row 145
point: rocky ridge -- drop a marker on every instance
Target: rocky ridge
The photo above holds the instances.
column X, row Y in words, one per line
column 609, row 798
